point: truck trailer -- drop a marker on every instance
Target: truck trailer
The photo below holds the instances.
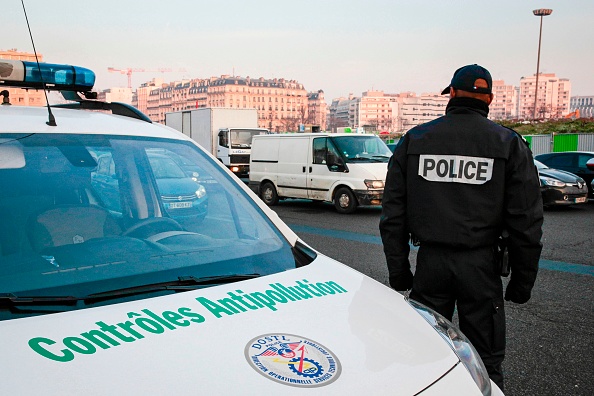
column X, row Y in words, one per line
column 225, row 132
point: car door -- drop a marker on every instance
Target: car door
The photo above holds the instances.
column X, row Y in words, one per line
column 293, row 155
column 325, row 168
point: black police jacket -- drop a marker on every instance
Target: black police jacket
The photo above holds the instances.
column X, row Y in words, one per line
column 458, row 181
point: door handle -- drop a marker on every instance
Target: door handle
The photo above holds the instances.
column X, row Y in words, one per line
column 303, row 169
column 310, row 169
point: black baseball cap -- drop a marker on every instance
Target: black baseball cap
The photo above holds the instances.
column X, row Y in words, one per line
column 465, row 77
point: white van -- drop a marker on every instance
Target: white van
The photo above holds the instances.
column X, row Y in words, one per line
column 346, row 169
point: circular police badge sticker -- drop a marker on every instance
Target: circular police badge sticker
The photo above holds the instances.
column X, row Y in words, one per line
column 292, row 360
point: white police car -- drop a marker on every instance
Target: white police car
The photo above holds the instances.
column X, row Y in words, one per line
column 102, row 292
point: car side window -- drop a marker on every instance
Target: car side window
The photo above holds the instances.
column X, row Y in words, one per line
column 319, row 151
column 583, row 159
column 560, row 160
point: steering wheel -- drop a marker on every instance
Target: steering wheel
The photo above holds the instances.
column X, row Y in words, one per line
column 151, row 226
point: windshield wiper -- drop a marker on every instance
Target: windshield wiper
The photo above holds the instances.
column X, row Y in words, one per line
column 182, row 283
column 11, row 300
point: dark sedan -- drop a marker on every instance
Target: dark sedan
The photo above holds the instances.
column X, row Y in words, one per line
column 580, row 163
column 560, row 187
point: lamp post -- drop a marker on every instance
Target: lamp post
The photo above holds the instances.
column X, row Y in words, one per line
column 542, row 12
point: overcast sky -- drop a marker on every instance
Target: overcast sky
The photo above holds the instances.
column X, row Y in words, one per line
column 341, row 47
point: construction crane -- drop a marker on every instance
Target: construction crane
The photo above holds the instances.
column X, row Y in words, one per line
column 129, row 72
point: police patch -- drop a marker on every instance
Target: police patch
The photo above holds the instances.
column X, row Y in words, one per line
column 455, row 169
column 292, row 360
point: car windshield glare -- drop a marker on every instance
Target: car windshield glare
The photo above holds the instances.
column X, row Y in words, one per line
column 83, row 214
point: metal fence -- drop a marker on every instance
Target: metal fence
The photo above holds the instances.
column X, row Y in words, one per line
column 541, row 144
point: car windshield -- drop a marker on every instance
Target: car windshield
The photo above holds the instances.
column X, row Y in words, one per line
column 362, row 148
column 85, row 214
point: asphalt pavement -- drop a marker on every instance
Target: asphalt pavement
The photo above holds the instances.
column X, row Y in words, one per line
column 550, row 340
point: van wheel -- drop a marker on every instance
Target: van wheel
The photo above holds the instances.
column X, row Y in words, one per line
column 268, row 194
column 345, row 201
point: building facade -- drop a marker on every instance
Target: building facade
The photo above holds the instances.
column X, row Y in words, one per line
column 317, row 109
column 554, row 94
column 282, row 104
column 122, row 95
column 19, row 96
column 583, row 104
column 381, row 112
column 505, row 101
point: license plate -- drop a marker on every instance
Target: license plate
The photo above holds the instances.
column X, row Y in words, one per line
column 180, row 205
column 580, row 200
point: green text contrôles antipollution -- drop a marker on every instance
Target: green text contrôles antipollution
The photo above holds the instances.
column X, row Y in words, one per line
column 146, row 322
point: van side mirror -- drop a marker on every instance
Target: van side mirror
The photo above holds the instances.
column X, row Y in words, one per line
column 590, row 164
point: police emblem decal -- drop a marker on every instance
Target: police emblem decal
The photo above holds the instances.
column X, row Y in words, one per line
column 292, row 360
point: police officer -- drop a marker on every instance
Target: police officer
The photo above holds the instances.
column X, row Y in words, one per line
column 455, row 185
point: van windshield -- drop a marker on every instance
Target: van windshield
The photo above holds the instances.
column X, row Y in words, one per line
column 362, row 148
column 86, row 214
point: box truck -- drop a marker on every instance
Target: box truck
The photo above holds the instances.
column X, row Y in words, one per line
column 225, row 132
column 346, row 169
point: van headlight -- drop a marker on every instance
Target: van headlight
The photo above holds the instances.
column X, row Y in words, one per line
column 459, row 344
column 374, row 183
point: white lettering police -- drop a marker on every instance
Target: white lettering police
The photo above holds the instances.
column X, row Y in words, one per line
column 455, row 169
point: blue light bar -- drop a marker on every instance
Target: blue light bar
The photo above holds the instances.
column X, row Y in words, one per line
column 55, row 77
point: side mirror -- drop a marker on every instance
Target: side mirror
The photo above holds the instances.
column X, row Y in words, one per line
column 590, row 164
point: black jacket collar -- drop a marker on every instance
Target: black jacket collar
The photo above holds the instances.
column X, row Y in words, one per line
column 464, row 105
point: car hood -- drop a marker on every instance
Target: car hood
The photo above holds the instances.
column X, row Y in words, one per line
column 558, row 174
column 372, row 170
column 363, row 333
column 181, row 186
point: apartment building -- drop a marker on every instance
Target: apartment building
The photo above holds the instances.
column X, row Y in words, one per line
column 317, row 109
column 19, row 96
column 505, row 101
column 554, row 94
column 122, row 95
column 282, row 104
column 374, row 109
column 585, row 105
column 417, row 110
column 378, row 111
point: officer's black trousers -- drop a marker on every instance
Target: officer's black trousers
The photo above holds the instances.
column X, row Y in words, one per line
column 470, row 279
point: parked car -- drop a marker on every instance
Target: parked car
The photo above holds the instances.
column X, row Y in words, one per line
column 559, row 187
column 181, row 196
column 580, row 163
column 116, row 296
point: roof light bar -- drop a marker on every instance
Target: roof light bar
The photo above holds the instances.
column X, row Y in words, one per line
column 55, row 77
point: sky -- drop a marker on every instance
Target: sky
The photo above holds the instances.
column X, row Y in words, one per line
column 339, row 46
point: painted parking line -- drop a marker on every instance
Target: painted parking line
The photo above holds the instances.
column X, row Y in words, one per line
column 550, row 265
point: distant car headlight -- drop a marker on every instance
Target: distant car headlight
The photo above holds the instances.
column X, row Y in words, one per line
column 549, row 181
column 374, row 183
column 201, row 192
column 459, row 344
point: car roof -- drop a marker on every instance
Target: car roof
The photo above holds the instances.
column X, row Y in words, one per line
column 21, row 119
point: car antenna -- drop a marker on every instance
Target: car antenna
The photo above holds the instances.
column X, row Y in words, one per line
column 51, row 121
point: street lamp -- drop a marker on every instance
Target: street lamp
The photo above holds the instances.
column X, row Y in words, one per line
column 542, row 12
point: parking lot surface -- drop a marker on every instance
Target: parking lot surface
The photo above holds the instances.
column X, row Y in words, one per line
column 549, row 339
